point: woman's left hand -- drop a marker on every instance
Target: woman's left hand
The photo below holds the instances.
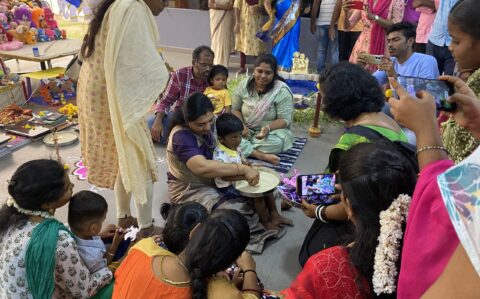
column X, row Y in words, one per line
column 263, row 132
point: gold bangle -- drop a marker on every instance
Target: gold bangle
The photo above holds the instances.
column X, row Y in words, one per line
column 432, row 147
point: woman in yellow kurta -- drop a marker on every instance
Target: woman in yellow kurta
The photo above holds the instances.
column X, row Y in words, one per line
column 248, row 21
column 121, row 77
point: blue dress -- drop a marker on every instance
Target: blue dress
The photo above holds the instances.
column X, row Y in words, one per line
column 284, row 32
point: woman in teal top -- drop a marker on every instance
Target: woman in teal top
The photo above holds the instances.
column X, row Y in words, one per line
column 265, row 105
column 350, row 94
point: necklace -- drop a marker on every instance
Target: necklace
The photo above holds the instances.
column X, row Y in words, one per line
column 171, row 281
column 181, row 264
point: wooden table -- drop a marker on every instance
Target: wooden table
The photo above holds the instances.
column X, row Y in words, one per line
column 48, row 51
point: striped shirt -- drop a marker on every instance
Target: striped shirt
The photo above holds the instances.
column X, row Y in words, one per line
column 326, row 12
column 439, row 35
column 181, row 85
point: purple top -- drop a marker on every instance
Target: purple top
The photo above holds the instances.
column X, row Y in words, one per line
column 185, row 145
column 410, row 14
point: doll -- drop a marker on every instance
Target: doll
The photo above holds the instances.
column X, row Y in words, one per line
column 23, row 16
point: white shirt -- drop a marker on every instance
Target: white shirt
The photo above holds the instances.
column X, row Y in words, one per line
column 326, row 12
column 226, row 155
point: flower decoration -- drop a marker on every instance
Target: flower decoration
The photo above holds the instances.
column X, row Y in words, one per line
column 131, row 233
column 386, row 255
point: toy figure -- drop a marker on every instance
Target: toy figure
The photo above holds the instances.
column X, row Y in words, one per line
column 41, row 36
column 4, row 21
column 24, row 34
column 38, row 17
column 23, row 16
column 49, row 18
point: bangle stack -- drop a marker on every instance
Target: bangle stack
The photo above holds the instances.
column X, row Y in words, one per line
column 320, row 213
column 432, row 147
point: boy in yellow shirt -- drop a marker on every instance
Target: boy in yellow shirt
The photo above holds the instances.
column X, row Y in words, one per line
column 217, row 91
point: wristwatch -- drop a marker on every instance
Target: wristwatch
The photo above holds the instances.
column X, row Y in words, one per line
column 376, row 18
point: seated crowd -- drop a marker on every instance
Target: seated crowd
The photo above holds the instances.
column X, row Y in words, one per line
column 387, row 232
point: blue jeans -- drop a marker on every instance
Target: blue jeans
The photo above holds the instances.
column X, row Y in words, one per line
column 327, row 52
column 166, row 126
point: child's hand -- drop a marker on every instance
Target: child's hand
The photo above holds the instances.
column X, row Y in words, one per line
column 118, row 237
column 108, row 231
column 157, row 239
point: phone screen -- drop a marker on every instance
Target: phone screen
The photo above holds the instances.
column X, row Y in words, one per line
column 315, row 185
column 440, row 90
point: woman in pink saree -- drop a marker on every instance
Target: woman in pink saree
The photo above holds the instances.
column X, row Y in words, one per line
column 376, row 16
column 434, row 263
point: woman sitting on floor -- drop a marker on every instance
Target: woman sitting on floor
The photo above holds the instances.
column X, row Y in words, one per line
column 371, row 178
column 352, row 95
column 150, row 271
column 264, row 103
column 191, row 169
column 38, row 254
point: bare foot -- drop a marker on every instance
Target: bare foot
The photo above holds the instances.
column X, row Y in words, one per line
column 285, row 205
column 281, row 220
column 271, row 158
column 271, row 226
column 127, row 222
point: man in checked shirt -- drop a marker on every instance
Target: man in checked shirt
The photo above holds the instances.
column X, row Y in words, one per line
column 183, row 83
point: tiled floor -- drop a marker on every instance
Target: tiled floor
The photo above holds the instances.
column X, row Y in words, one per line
column 276, row 266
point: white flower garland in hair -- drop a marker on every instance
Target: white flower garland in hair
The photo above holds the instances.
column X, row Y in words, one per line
column 387, row 252
column 44, row 214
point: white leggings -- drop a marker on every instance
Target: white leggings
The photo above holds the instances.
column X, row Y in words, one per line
column 144, row 211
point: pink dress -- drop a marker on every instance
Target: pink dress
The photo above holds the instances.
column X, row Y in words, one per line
column 430, row 238
column 395, row 13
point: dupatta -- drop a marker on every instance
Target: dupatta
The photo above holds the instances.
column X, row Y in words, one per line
column 377, row 35
column 263, row 106
column 276, row 31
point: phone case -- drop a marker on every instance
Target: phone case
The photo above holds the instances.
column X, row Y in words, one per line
column 357, row 5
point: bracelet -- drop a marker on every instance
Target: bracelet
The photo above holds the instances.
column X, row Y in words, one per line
column 321, row 214
column 432, row 147
column 317, row 211
column 110, row 254
column 250, row 270
column 252, row 290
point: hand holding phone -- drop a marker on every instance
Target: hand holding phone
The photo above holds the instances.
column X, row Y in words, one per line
column 366, row 58
column 356, row 5
column 440, row 90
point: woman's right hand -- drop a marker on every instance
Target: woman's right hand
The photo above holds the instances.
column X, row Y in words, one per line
column 468, row 105
column 246, row 262
column 252, row 176
column 157, row 129
column 416, row 114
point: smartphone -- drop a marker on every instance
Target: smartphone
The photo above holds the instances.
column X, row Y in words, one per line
column 316, row 185
column 356, row 5
column 440, row 90
column 372, row 59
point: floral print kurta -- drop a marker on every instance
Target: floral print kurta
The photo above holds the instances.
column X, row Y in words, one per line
column 98, row 148
column 72, row 278
column 395, row 14
column 250, row 23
